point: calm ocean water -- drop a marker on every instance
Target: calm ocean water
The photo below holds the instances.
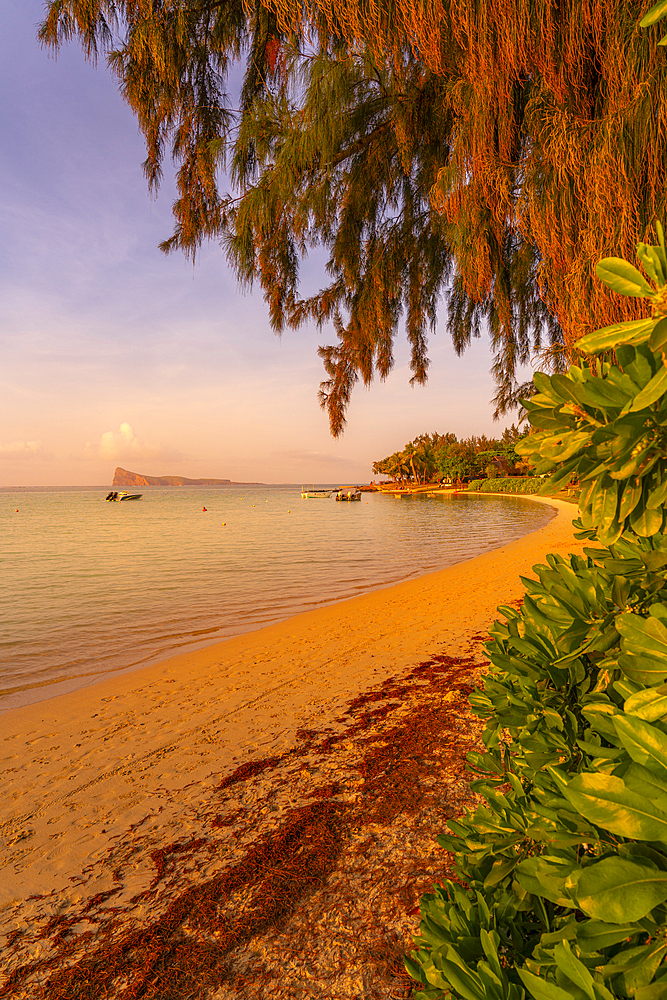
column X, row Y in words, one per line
column 88, row 588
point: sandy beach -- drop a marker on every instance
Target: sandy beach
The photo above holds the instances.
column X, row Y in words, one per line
column 129, row 803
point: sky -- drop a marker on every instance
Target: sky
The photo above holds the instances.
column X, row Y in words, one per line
column 112, row 353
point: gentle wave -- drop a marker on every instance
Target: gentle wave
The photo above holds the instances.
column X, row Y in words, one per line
column 89, row 588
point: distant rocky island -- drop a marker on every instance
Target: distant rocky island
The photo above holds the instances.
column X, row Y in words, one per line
column 122, row 477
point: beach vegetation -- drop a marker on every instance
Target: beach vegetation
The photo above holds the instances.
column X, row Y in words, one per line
column 434, row 457
column 477, row 156
column 560, row 874
column 515, row 484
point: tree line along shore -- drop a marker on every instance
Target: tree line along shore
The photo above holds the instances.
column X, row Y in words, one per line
column 443, row 458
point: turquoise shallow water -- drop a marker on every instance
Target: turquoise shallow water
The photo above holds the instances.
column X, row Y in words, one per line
column 88, row 588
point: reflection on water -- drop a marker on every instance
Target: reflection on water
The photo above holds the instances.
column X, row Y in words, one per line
column 89, row 587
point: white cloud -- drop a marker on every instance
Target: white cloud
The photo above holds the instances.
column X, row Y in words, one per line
column 24, row 449
column 124, row 444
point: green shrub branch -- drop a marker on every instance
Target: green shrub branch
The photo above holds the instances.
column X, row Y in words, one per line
column 561, row 887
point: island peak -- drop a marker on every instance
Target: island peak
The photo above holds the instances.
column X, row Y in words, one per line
column 122, row 477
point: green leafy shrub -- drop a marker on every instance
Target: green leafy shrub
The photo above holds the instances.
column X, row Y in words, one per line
column 561, row 887
column 512, row 485
column 516, row 484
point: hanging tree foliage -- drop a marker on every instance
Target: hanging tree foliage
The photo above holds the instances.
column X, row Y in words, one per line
column 481, row 154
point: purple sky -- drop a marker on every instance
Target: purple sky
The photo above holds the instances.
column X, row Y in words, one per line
column 113, row 354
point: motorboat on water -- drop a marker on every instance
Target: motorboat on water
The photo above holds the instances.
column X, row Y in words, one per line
column 313, row 494
column 353, row 494
column 124, row 496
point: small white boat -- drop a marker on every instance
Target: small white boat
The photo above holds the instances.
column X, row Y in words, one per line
column 353, row 494
column 124, row 496
column 313, row 494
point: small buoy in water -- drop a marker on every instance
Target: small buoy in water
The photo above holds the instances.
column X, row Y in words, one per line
column 203, row 508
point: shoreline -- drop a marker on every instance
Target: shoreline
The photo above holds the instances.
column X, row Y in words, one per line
column 146, row 751
column 29, row 692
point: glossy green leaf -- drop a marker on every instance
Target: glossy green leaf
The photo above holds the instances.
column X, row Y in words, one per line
column 643, row 670
column 622, row 277
column 657, row 497
column 647, row 782
column 630, row 426
column 543, row 383
column 500, row 870
column 543, row 878
column 463, row 979
column 641, row 975
column 608, row 753
column 619, row 462
column 632, row 492
column 609, row 503
column 621, row 589
column 646, row 522
column 650, row 262
column 527, row 446
column 631, row 466
column 620, row 891
column 655, row 389
column 658, row 339
column 655, row 991
column 574, row 969
column 600, row 392
column 600, row 717
column 645, row 743
column 599, row 497
column 560, row 447
column 643, row 636
column 414, row 969
column 561, row 477
column 563, row 386
column 548, row 418
column 490, row 942
column 605, row 800
column 632, row 332
column 625, row 687
column 654, row 14
column 649, row 704
column 540, row 989
column 594, row 935
column 610, row 532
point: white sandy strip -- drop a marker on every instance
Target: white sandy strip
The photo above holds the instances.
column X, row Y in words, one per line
column 79, row 769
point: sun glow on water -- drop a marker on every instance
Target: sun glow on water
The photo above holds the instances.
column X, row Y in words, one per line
column 89, row 587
